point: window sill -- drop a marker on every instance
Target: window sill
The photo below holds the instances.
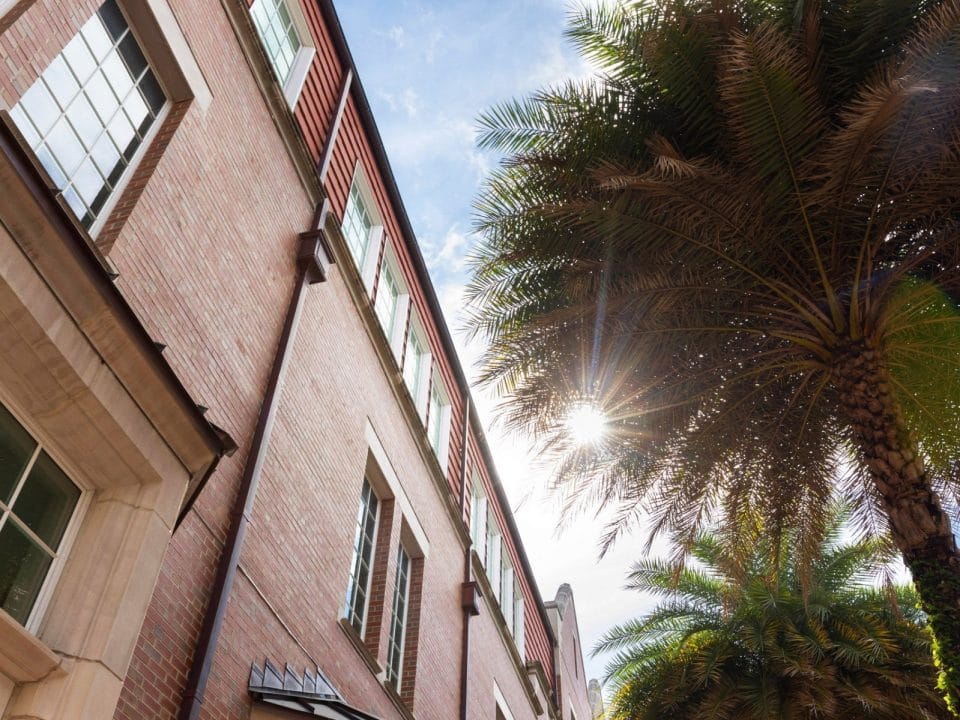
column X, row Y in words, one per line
column 361, row 647
column 23, row 658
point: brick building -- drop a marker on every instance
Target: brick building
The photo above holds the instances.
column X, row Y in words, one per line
column 240, row 475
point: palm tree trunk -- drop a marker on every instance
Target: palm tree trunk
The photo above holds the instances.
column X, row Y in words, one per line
column 918, row 524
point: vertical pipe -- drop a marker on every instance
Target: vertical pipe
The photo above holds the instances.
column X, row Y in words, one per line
column 193, row 695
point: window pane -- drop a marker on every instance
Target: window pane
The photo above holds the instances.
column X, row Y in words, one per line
column 79, row 59
column 16, row 447
column 132, row 56
column 23, row 568
column 61, row 82
column 65, row 146
column 113, row 19
column 97, row 39
column 39, row 104
column 88, row 182
column 47, row 500
column 364, row 538
column 85, row 121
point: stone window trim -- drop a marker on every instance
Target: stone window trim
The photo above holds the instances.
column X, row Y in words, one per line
column 162, row 41
column 295, row 76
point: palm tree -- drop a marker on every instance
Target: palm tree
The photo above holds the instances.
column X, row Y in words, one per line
column 742, row 638
column 740, row 242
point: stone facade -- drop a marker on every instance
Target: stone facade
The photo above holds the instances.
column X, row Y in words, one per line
column 141, row 355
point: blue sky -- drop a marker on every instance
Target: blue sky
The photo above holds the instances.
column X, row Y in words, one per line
column 429, row 69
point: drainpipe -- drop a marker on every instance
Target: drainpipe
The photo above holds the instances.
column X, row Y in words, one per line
column 469, row 589
column 313, row 259
column 312, row 263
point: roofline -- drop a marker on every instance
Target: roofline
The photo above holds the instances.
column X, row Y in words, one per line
column 332, row 21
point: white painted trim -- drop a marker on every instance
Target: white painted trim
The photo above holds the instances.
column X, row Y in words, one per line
column 423, row 394
column 371, row 258
column 400, row 322
column 501, row 702
column 298, row 75
column 399, row 495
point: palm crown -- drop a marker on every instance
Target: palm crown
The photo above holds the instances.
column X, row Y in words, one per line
column 741, row 242
column 739, row 637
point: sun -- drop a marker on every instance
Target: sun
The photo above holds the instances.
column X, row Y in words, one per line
column 585, row 424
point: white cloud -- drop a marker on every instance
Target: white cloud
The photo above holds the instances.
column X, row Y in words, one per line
column 407, row 101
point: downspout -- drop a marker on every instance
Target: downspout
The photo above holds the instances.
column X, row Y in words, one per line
column 469, row 588
column 309, row 271
column 313, row 259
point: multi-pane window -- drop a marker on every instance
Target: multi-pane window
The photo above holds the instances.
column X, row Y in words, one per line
column 398, row 628
column 478, row 519
column 37, row 502
column 388, row 295
column 357, row 224
column 358, row 588
column 506, row 588
column 276, row 28
column 436, row 410
column 493, row 552
column 415, row 356
column 519, row 635
column 90, row 111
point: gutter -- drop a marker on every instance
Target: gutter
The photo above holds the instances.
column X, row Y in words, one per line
column 311, row 268
column 332, row 21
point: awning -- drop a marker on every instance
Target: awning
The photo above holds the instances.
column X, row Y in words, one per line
column 311, row 695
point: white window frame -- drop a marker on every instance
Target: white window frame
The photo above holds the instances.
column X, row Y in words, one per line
column 442, row 450
column 506, row 587
column 352, row 585
column 39, row 609
column 369, row 261
column 494, row 548
column 478, row 518
column 421, row 389
column 395, row 676
column 519, row 634
column 397, row 332
column 293, row 85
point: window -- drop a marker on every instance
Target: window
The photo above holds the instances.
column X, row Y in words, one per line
column 357, row 224
column 438, row 420
column 506, row 587
column 287, row 40
column 358, row 589
column 478, row 518
column 90, row 111
column 37, row 503
column 391, row 305
column 493, row 552
column 519, row 634
column 416, row 364
column 398, row 628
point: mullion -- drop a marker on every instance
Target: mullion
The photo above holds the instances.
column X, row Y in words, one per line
column 31, row 534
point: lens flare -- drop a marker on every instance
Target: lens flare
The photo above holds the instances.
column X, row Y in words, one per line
column 586, row 424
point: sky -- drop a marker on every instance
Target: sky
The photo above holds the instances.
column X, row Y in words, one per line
column 429, row 67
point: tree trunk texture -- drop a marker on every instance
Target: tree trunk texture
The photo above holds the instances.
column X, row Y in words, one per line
column 919, row 526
